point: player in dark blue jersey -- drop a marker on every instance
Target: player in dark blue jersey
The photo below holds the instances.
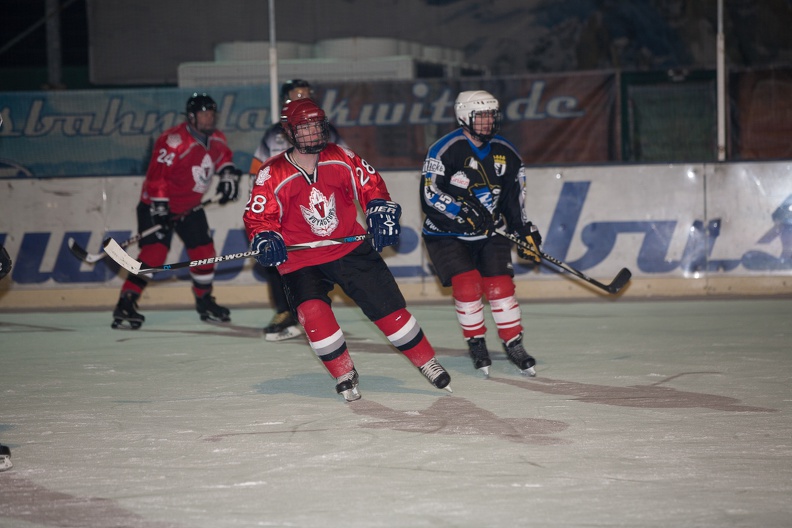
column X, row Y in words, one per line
column 474, row 183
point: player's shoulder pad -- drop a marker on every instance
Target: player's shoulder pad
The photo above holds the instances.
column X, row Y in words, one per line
column 439, row 147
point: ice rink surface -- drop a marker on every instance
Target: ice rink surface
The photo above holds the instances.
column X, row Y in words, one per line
column 643, row 414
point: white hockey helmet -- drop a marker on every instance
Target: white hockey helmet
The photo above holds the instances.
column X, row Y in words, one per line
column 473, row 102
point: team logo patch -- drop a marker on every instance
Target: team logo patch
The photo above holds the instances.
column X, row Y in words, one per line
column 349, row 153
column 202, row 174
column 500, row 164
column 173, row 140
column 433, row 165
column 460, row 179
column 321, row 213
column 263, row 175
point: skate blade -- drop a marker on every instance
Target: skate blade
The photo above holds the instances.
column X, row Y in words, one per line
column 210, row 319
column 485, row 371
column 448, row 388
column 122, row 324
column 287, row 333
column 5, row 462
column 351, row 395
column 529, row 372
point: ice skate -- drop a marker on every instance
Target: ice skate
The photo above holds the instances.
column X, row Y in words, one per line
column 478, row 352
column 209, row 310
column 125, row 315
column 5, row 458
column 282, row 326
column 348, row 386
column 518, row 356
column 436, row 374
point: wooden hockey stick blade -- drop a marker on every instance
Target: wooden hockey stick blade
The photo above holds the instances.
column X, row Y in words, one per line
column 92, row 258
column 136, row 267
column 124, row 259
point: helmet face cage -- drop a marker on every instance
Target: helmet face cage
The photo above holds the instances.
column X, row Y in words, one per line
column 305, row 125
column 471, row 105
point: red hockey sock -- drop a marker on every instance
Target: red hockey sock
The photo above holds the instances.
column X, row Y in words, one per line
column 325, row 336
column 202, row 276
column 467, row 292
column 505, row 308
column 404, row 332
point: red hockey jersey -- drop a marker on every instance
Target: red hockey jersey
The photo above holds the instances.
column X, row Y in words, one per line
column 307, row 208
column 182, row 167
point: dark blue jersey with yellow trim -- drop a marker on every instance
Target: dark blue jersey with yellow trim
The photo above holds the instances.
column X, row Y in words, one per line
column 456, row 170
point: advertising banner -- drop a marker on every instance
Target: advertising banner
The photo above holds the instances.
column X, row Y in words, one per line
column 678, row 221
column 392, row 124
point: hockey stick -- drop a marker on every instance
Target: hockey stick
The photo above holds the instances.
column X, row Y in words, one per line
column 92, row 258
column 618, row 282
column 136, row 267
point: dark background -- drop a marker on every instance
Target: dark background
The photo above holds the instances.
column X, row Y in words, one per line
column 506, row 36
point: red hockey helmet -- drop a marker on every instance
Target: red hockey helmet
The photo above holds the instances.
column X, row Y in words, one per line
column 306, row 126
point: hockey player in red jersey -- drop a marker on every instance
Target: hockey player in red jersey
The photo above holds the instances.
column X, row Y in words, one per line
column 309, row 194
column 183, row 162
column 284, row 324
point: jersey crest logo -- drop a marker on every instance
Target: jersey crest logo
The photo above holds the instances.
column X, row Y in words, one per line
column 321, row 213
column 202, row 174
column 500, row 164
column 263, row 175
column 460, row 179
column 173, row 140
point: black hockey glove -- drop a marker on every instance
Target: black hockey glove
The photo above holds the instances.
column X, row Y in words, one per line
column 529, row 234
column 271, row 248
column 382, row 218
column 474, row 218
column 228, row 186
column 5, row 262
column 160, row 213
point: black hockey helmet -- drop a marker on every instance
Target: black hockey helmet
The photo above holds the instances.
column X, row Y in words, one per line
column 290, row 85
column 200, row 102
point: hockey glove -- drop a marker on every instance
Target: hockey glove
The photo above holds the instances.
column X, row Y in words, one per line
column 271, row 248
column 228, row 187
column 474, row 218
column 160, row 213
column 529, row 233
column 382, row 218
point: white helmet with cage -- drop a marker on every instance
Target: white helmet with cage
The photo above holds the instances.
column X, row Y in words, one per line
column 469, row 104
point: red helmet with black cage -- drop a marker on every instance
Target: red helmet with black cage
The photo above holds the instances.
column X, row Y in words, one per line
column 306, row 126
